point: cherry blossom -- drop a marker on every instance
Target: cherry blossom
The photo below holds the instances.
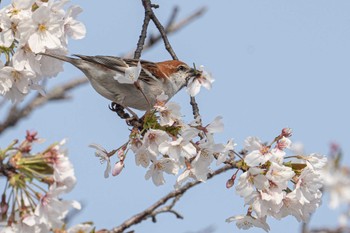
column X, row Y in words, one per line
column 195, row 83
column 103, row 155
column 35, row 26
column 157, row 168
column 131, row 74
column 247, row 221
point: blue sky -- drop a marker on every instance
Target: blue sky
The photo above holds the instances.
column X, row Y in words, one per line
column 276, row 63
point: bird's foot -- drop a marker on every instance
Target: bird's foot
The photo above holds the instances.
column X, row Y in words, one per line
column 133, row 120
column 119, row 109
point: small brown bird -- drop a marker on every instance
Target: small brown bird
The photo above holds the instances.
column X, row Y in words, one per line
column 109, row 77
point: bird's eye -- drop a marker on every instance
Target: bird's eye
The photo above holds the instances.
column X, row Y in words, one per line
column 181, row 68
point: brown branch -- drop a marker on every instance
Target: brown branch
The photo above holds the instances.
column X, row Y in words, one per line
column 176, row 194
column 328, row 230
column 168, row 209
column 148, row 8
column 143, row 34
column 195, row 110
column 57, row 93
column 172, row 18
column 170, row 28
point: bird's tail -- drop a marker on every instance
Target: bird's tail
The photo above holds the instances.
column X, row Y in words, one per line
column 60, row 57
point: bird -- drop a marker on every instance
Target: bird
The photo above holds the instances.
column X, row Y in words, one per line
column 107, row 75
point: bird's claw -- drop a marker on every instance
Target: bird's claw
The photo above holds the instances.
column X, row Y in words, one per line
column 119, row 110
column 133, row 120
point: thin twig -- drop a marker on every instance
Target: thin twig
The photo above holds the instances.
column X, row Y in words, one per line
column 329, row 230
column 168, row 209
column 172, row 18
column 148, row 213
column 57, row 93
column 143, row 34
column 170, row 29
column 148, row 8
column 195, row 110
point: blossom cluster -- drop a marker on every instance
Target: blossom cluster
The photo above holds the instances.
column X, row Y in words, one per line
column 272, row 185
column 28, row 27
column 31, row 201
column 337, row 184
column 166, row 144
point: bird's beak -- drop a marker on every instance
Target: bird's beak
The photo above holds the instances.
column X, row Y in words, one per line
column 193, row 73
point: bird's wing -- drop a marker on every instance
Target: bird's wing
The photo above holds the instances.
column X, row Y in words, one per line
column 120, row 64
column 110, row 62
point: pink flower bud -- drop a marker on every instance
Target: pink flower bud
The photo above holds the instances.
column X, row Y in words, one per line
column 3, row 205
column 230, row 183
column 286, row 132
column 118, row 167
column 31, row 136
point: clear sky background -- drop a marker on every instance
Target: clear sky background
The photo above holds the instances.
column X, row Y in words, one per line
column 277, row 64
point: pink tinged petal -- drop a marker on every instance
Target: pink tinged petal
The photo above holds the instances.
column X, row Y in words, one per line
column 216, row 126
column 245, row 222
column 193, row 87
column 36, row 44
column 39, row 89
column 252, row 143
column 164, row 148
column 74, row 11
column 189, row 133
column 244, row 187
column 207, row 84
column 5, row 84
column 131, row 75
column 41, row 15
column 23, row 4
column 52, row 41
column 6, row 38
column 169, row 166
column 107, row 170
column 221, row 158
column 255, row 158
column 316, row 161
column 75, row 205
column 143, row 157
column 190, row 150
column 117, row 169
column 29, row 220
column 76, row 30
column 158, row 179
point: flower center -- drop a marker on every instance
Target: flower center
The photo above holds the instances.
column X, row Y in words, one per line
column 42, row 28
column 264, row 150
column 158, row 166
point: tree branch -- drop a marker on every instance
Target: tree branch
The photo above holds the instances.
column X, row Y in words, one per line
column 148, row 9
column 153, row 209
column 57, row 93
column 171, row 28
column 143, row 34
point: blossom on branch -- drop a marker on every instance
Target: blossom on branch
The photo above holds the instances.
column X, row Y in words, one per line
column 272, row 186
column 36, row 182
column 27, row 28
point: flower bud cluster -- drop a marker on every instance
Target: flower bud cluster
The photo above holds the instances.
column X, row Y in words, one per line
column 28, row 27
column 31, row 201
column 337, row 184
